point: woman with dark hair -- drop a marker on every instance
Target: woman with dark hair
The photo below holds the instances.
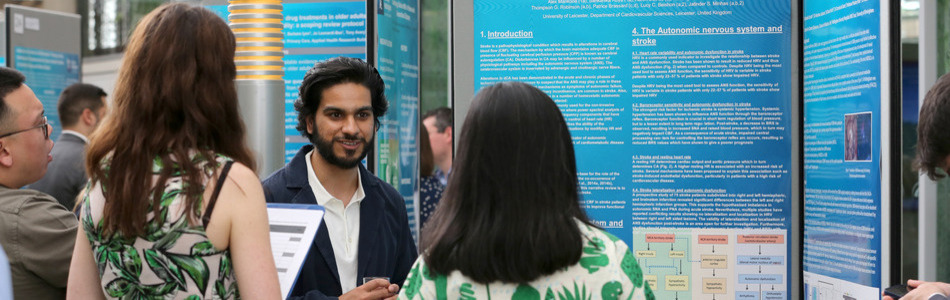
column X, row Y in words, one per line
column 174, row 146
column 430, row 189
column 509, row 225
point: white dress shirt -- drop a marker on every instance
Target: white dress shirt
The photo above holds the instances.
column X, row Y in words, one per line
column 343, row 224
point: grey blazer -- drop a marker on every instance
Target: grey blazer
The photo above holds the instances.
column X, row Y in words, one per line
column 66, row 174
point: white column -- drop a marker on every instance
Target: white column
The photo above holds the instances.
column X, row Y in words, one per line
column 927, row 189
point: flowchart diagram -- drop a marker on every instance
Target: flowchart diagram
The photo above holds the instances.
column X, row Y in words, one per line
column 713, row 264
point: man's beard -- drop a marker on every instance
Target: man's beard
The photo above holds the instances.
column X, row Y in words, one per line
column 325, row 148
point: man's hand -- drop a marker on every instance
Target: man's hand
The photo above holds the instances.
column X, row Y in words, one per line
column 373, row 290
column 922, row 290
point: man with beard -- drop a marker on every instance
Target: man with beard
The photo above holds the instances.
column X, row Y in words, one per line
column 365, row 232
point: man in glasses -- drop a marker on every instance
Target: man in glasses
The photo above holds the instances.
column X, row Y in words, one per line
column 81, row 108
column 36, row 232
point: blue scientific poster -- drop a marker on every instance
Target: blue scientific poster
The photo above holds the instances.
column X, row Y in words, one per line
column 314, row 32
column 47, row 73
column 842, row 64
column 398, row 63
column 680, row 113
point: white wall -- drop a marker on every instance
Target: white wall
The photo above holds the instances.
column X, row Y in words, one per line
column 102, row 71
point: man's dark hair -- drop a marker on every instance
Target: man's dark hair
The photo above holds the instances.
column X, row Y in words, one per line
column 510, row 211
column 335, row 71
column 10, row 80
column 933, row 129
column 76, row 98
column 443, row 118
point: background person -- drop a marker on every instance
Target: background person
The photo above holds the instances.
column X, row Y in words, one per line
column 35, row 230
column 439, row 124
column 163, row 215
column 430, row 189
column 510, row 225
column 81, row 108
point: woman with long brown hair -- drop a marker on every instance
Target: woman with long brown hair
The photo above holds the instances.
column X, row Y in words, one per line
column 173, row 208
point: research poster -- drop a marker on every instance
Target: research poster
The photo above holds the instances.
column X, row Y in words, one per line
column 842, row 82
column 46, row 47
column 48, row 73
column 397, row 60
column 680, row 113
column 315, row 31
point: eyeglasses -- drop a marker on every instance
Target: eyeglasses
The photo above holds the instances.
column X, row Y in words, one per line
column 44, row 126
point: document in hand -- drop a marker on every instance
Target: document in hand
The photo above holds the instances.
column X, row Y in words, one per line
column 292, row 229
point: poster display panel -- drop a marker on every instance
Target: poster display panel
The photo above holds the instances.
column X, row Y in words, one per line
column 315, row 31
column 397, row 60
column 45, row 46
column 680, row 113
column 844, row 256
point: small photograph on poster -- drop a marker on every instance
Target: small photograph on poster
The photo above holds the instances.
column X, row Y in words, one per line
column 857, row 137
column 380, row 7
column 72, row 66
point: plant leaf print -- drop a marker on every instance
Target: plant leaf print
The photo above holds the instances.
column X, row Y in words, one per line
column 195, row 268
column 648, row 292
column 632, row 269
column 413, row 282
column 526, row 292
column 164, row 269
column 579, row 293
column 594, row 258
column 174, row 251
column 549, row 295
column 466, row 292
column 611, row 290
column 203, row 248
column 119, row 287
column 441, row 283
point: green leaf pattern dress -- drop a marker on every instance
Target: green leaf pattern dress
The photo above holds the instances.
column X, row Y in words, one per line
column 607, row 270
column 173, row 259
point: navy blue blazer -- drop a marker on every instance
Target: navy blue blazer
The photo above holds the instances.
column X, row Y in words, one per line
column 386, row 248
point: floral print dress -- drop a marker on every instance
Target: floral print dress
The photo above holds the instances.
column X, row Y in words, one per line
column 172, row 260
column 607, row 270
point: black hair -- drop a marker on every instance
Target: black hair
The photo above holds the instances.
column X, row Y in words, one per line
column 933, row 129
column 10, row 80
column 76, row 98
column 335, row 71
column 510, row 208
column 443, row 118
